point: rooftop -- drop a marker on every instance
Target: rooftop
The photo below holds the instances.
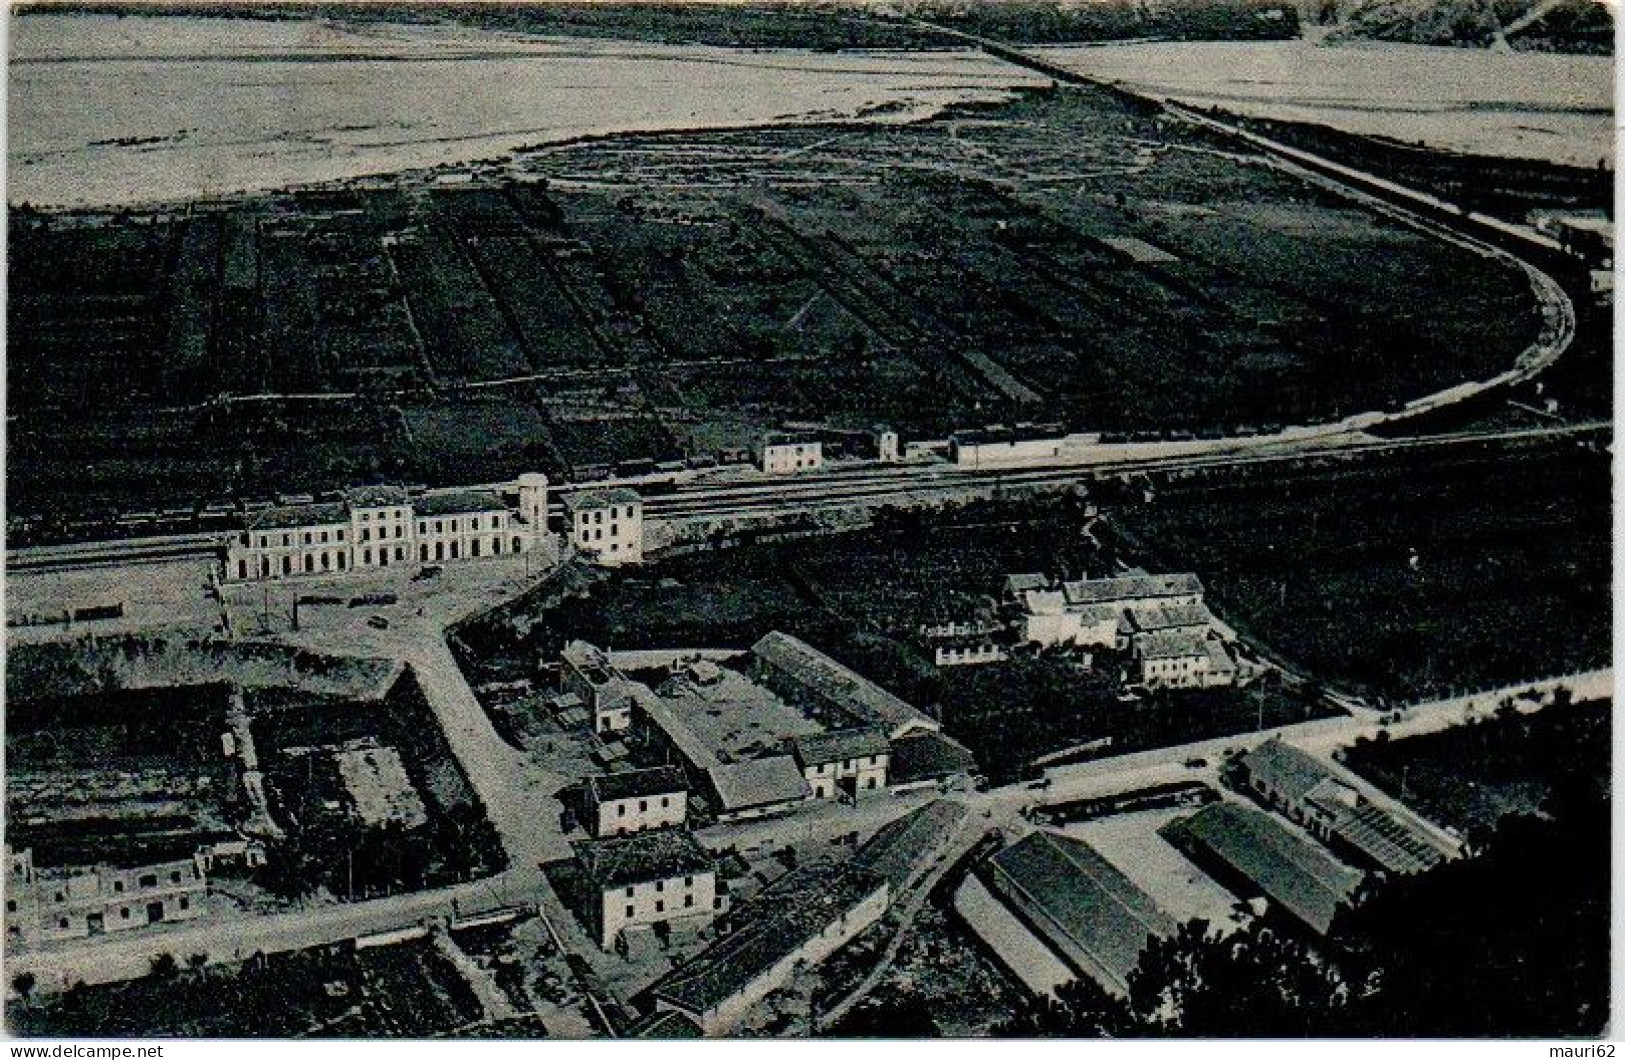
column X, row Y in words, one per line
column 818, row 673
column 927, row 756
column 590, row 500
column 1297, row 777
column 728, row 718
column 1081, row 894
column 1152, row 618
column 301, row 515
column 1292, row 773
column 1000, row 433
column 1131, row 587
column 637, row 783
column 375, row 497
column 1016, row 584
column 1219, row 659
column 775, row 924
column 898, row 849
column 587, row 656
column 1287, row 869
column 1386, row 841
column 643, row 857
column 1171, row 644
column 462, row 502
column 790, row 438
column 757, row 783
column 840, row 746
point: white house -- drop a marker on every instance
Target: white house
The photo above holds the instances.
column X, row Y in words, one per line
column 1182, row 659
column 647, row 878
column 50, row 904
column 608, row 695
column 852, row 762
column 784, row 454
column 606, row 525
column 637, row 800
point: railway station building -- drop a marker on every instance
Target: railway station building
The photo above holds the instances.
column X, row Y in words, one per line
column 383, row 526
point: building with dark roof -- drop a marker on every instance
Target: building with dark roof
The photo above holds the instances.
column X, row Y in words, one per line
column 898, row 850
column 1017, row 586
column 803, row 674
column 605, row 525
column 756, row 787
column 1164, row 617
column 1251, row 853
column 647, row 878
column 1135, row 590
column 850, row 762
column 382, row 526
column 1084, row 909
column 796, row 922
column 636, row 800
column 924, row 759
column 1306, row 790
column 1183, row 658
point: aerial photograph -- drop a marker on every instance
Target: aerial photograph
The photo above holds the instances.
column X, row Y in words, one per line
column 839, row 519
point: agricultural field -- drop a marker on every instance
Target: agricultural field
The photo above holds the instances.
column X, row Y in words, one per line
column 1407, row 580
column 120, row 776
column 1471, row 776
column 1066, row 255
column 406, row 990
column 370, row 797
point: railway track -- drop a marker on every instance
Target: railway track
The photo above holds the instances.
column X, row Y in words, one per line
column 862, row 489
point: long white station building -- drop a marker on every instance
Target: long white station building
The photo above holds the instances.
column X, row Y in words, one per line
column 382, row 526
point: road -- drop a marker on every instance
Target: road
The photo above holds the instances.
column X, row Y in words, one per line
column 525, row 818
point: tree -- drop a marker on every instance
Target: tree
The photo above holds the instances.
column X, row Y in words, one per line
column 164, row 966
column 23, row 983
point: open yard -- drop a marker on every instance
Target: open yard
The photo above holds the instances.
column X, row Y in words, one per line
column 369, row 795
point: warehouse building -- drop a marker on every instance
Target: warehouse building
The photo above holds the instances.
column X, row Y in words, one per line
column 1305, row 789
column 795, row 923
column 1251, row 854
column 807, row 677
column 1091, row 915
